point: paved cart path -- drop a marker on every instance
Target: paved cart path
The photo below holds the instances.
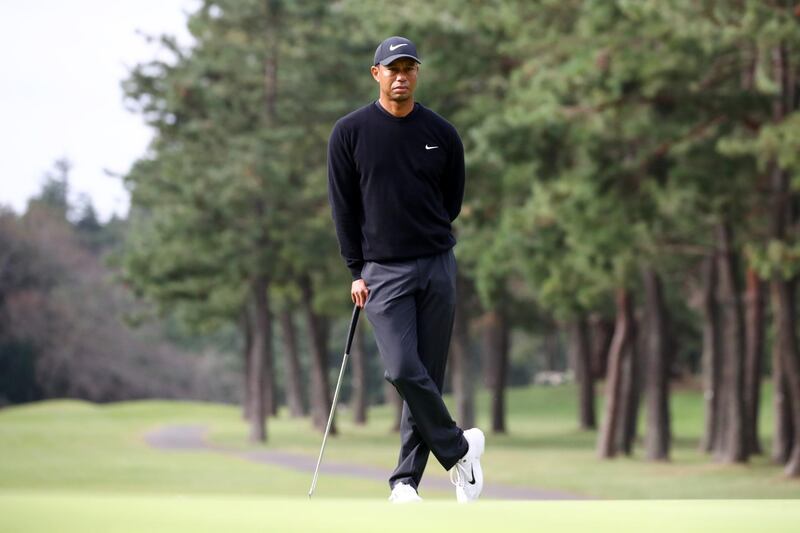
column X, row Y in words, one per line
column 194, row 437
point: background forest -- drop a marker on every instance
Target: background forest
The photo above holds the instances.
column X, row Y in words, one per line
column 630, row 221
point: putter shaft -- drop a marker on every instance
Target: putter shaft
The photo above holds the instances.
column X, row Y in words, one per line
column 351, row 332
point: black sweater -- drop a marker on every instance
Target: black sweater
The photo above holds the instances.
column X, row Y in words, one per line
column 394, row 184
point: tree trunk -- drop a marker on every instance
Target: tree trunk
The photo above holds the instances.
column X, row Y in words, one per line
column 321, row 393
column 495, row 351
column 248, row 361
column 711, row 353
column 270, row 389
column 294, row 379
column 261, row 352
column 579, row 355
column 631, row 389
column 602, row 331
column 783, row 438
column 461, row 364
column 359, row 400
column 784, row 301
column 606, row 442
column 754, row 355
column 263, row 314
column 270, row 65
column 657, row 436
column 623, row 429
column 733, row 342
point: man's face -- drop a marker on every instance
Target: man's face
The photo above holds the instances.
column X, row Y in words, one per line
column 397, row 80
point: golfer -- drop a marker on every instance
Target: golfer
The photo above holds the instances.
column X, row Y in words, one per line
column 395, row 185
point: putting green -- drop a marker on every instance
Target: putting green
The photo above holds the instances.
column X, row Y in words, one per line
column 82, row 512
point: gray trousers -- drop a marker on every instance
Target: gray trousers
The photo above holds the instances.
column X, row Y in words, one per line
column 411, row 305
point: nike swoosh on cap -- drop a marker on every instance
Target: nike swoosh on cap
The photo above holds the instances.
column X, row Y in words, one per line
column 393, row 47
column 430, row 147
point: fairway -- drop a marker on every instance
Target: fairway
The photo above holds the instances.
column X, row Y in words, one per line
column 68, row 513
column 74, row 466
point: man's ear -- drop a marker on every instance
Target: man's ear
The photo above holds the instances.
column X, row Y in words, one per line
column 375, row 70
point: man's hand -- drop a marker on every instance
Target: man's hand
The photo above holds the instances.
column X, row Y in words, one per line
column 359, row 292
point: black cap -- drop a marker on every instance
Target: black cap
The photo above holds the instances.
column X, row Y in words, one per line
column 395, row 48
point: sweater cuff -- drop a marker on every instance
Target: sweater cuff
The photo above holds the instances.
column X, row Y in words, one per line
column 355, row 267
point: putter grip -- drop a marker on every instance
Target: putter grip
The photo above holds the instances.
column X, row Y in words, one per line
column 353, row 322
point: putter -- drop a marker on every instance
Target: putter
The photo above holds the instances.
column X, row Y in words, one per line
column 351, row 332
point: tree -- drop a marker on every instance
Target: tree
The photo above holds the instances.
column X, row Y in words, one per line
column 55, row 188
column 232, row 197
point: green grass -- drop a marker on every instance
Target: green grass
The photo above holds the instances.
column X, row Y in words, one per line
column 69, row 512
column 544, row 449
column 67, row 445
column 86, row 467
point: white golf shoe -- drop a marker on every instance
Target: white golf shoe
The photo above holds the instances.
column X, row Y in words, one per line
column 403, row 493
column 467, row 475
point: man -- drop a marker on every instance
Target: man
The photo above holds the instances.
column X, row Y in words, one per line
column 395, row 184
